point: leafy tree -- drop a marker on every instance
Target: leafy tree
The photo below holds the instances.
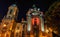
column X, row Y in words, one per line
column 52, row 16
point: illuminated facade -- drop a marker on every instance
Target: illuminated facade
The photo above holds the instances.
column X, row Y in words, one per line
column 33, row 27
column 18, row 30
column 8, row 21
column 35, row 22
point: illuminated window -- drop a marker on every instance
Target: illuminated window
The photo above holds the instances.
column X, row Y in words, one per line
column 35, row 20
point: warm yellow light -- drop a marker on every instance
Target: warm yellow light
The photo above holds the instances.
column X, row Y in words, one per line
column 47, row 30
column 10, row 28
column 31, row 35
column 16, row 30
column 55, row 32
column 5, row 35
column 14, row 13
column 50, row 29
column 4, row 25
column 0, row 35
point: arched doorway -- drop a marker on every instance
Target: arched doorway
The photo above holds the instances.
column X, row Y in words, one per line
column 35, row 26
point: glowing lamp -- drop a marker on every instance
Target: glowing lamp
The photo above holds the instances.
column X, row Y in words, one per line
column 47, row 30
column 4, row 25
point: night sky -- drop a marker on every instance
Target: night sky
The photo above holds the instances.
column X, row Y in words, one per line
column 23, row 6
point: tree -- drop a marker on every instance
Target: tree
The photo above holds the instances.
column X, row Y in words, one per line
column 52, row 16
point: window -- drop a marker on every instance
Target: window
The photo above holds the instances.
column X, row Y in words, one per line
column 17, row 27
column 11, row 11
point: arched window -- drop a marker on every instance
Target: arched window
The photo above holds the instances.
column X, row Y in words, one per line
column 11, row 11
column 35, row 20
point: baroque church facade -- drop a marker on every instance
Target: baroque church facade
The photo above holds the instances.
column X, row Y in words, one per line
column 33, row 27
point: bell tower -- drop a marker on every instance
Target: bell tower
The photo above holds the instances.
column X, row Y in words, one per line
column 12, row 12
column 8, row 20
column 35, row 21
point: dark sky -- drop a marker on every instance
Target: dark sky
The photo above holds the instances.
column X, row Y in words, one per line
column 23, row 6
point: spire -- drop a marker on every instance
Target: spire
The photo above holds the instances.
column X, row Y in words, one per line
column 12, row 12
column 34, row 6
column 15, row 3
